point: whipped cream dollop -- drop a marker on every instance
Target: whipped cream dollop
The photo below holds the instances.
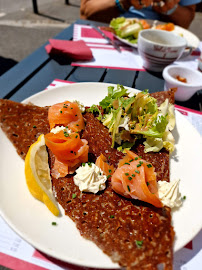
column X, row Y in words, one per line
column 59, row 128
column 90, row 178
column 169, row 193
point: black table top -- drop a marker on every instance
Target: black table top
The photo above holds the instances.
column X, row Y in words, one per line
column 38, row 70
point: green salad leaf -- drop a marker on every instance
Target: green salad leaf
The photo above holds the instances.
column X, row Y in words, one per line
column 168, row 141
column 116, row 23
column 113, row 95
column 131, row 117
column 112, row 121
column 153, row 144
column 125, row 146
column 168, row 109
column 94, row 109
column 126, row 28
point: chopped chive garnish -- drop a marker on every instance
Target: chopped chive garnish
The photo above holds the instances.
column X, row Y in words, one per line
column 76, row 136
column 149, row 165
column 66, row 134
column 147, row 183
column 111, row 216
column 131, row 160
column 54, row 223
column 34, row 126
column 109, row 157
column 130, row 178
column 77, row 125
column 136, row 158
column 73, row 196
column 138, row 165
column 140, row 156
column 71, row 108
column 133, row 175
column 60, row 111
column 126, row 174
column 127, row 163
column 83, row 164
column 110, row 170
column 137, row 171
column 128, row 188
column 108, row 176
column 141, row 162
column 139, row 243
column 184, row 197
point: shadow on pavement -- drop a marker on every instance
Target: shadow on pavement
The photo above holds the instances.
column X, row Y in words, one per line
column 6, row 64
column 50, row 17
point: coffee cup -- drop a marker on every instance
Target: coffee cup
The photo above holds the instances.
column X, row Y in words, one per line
column 159, row 48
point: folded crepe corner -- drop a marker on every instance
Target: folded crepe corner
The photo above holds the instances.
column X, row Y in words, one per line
column 132, row 233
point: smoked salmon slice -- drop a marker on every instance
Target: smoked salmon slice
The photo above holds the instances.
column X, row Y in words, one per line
column 67, row 114
column 69, row 150
column 107, row 169
column 135, row 178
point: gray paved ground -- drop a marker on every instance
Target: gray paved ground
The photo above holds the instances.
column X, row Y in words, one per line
column 22, row 31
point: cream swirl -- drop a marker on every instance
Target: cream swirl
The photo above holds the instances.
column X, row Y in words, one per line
column 90, row 178
column 169, row 193
column 57, row 129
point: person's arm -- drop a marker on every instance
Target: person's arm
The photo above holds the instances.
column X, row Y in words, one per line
column 182, row 16
column 101, row 10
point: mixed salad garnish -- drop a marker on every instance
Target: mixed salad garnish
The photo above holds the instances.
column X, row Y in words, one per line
column 132, row 117
column 129, row 29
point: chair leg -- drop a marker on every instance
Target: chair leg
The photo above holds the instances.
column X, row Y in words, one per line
column 67, row 2
column 35, row 7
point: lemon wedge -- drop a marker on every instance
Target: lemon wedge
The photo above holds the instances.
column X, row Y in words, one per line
column 37, row 174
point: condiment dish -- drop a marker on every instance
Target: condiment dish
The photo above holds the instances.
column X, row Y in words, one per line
column 185, row 90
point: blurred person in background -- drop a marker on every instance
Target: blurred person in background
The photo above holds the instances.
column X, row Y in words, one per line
column 180, row 12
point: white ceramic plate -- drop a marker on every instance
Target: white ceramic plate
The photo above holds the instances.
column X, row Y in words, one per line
column 192, row 39
column 31, row 219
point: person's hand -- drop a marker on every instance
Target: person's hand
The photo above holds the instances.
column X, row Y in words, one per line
column 164, row 6
column 139, row 4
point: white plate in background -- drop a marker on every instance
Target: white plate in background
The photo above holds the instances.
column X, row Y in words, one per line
column 192, row 39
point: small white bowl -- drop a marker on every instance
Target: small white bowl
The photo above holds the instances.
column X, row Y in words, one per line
column 184, row 90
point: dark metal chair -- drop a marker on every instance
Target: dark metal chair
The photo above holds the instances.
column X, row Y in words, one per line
column 35, row 6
